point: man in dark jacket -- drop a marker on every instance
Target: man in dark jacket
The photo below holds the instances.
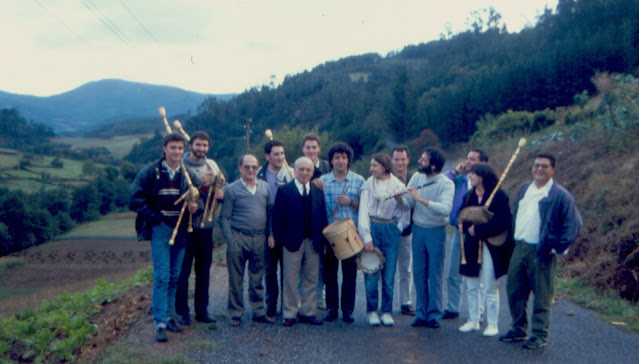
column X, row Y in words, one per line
column 547, row 222
column 153, row 195
column 276, row 173
column 299, row 215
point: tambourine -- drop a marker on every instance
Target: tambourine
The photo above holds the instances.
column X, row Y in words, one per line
column 370, row 261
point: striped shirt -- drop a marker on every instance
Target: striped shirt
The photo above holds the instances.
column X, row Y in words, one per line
column 350, row 187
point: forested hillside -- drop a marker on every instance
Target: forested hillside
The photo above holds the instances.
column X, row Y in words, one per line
column 372, row 101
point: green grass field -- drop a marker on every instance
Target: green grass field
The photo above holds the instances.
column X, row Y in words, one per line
column 120, row 224
column 118, row 146
column 32, row 179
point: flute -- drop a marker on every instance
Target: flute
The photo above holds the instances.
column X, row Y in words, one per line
column 403, row 192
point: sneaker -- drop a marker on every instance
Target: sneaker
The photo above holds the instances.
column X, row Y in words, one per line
column 448, row 315
column 491, row 330
column 184, row 320
column 373, row 319
column 511, row 336
column 160, row 335
column 469, row 326
column 172, row 326
column 534, row 343
column 407, row 310
column 387, row 319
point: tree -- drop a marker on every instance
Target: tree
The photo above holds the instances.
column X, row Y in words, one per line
column 85, row 204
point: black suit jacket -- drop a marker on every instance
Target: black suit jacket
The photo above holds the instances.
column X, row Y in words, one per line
column 288, row 217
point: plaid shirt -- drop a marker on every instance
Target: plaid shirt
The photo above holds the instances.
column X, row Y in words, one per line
column 332, row 188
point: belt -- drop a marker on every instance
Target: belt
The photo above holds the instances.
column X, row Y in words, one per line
column 382, row 221
column 249, row 233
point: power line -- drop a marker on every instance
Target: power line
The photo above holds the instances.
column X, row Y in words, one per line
column 112, row 27
column 56, row 17
column 146, row 30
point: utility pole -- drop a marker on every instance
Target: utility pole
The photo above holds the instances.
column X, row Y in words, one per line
column 248, row 134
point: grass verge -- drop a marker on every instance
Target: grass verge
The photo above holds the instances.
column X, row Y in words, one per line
column 608, row 305
column 55, row 331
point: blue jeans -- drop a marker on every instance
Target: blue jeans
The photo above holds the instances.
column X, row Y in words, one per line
column 167, row 263
column 386, row 238
column 454, row 277
column 428, row 265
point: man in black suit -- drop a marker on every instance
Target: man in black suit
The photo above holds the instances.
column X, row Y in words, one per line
column 299, row 215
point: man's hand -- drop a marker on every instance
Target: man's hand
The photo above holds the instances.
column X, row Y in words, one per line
column 369, row 245
column 318, row 183
column 219, row 194
column 344, row 200
column 271, row 242
column 399, row 199
column 206, row 178
column 192, row 206
column 461, row 168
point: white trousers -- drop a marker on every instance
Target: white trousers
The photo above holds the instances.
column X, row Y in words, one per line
column 405, row 269
column 486, row 287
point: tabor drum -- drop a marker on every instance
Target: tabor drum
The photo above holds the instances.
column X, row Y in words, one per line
column 343, row 237
column 370, row 261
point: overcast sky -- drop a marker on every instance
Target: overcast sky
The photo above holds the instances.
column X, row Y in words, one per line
column 215, row 46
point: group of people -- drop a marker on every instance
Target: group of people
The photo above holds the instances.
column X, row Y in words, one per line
column 273, row 216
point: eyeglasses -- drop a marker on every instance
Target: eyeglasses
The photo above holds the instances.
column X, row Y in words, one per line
column 246, row 167
column 542, row 166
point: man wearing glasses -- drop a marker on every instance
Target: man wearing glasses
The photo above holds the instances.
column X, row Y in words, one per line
column 547, row 222
column 245, row 222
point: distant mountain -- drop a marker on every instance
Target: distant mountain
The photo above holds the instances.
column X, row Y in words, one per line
column 98, row 102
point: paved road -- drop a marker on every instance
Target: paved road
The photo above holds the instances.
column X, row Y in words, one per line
column 577, row 336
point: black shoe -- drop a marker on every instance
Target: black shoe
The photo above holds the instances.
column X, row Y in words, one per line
column 407, row 310
column 347, row 317
column 448, row 315
column 205, row 318
column 433, row 324
column 311, row 320
column 512, row 337
column 160, row 335
column 172, row 326
column 184, row 320
column 236, row 321
column 419, row 323
column 263, row 319
column 289, row 322
column 534, row 343
column 331, row 316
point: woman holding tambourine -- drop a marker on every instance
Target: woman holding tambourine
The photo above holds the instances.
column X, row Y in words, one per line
column 381, row 221
column 483, row 264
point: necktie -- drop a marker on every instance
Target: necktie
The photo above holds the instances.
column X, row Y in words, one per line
column 304, row 189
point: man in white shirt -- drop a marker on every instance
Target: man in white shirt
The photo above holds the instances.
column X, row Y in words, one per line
column 547, row 222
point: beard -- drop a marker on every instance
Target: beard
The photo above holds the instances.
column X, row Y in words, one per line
column 426, row 169
column 199, row 154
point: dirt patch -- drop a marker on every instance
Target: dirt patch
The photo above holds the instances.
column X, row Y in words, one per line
column 115, row 320
column 75, row 265
column 69, row 265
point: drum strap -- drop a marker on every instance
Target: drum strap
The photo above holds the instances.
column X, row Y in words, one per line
column 337, row 203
